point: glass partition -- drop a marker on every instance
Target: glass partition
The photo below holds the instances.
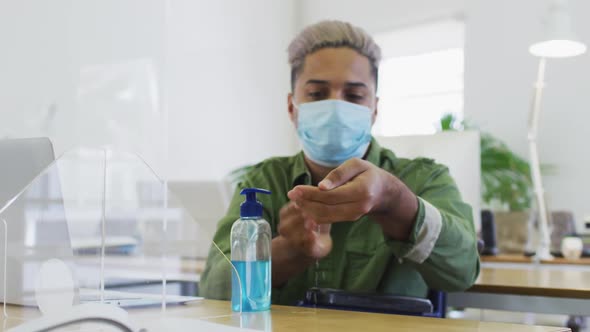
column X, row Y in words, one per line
column 98, row 226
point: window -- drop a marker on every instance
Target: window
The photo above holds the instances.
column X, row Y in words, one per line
column 420, row 78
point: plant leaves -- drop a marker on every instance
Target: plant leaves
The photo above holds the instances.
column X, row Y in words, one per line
column 505, row 176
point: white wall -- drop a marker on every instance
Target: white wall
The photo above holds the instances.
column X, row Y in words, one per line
column 379, row 15
column 228, row 83
column 499, row 75
column 113, row 72
column 63, row 64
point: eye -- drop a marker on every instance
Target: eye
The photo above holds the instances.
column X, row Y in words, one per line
column 315, row 95
column 354, row 97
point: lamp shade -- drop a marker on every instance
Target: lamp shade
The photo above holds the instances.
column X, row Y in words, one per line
column 559, row 40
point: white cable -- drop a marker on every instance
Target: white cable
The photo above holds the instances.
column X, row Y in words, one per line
column 95, row 312
column 107, row 321
column 5, row 265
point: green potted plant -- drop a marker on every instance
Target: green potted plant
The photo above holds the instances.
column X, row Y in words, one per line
column 506, row 186
column 505, row 176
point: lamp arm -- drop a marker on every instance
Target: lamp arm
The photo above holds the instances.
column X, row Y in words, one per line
column 543, row 248
column 536, row 102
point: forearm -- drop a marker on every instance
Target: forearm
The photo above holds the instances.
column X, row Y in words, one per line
column 442, row 246
column 441, row 243
column 286, row 262
column 398, row 210
column 453, row 264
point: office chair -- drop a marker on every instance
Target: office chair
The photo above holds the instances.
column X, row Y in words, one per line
column 488, row 234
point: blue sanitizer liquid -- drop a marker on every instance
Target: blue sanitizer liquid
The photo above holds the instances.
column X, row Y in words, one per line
column 255, row 280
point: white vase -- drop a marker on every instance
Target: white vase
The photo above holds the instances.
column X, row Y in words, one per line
column 571, row 247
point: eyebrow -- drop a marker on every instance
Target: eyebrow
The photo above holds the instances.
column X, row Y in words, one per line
column 324, row 82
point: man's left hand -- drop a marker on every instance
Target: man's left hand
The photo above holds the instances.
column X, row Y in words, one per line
column 357, row 188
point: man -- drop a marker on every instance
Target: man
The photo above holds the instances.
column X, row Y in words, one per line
column 346, row 213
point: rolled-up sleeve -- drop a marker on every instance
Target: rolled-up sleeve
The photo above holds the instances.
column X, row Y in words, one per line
column 442, row 244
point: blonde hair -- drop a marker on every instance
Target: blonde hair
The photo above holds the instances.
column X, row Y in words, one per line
column 331, row 34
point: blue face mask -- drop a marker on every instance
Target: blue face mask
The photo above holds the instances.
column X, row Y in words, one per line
column 333, row 131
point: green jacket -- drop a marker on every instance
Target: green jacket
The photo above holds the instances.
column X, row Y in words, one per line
column 441, row 253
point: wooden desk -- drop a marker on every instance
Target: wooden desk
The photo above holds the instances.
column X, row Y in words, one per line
column 556, row 287
column 513, row 258
column 306, row 319
column 535, row 282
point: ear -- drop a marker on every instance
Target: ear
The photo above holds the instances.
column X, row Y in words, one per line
column 291, row 109
column 374, row 117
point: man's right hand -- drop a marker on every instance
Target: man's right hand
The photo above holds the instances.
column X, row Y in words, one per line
column 303, row 234
column 298, row 245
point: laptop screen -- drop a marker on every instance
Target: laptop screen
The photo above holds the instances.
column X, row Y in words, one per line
column 22, row 160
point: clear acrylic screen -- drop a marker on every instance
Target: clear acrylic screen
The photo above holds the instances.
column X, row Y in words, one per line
column 99, row 226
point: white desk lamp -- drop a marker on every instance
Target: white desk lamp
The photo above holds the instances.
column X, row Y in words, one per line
column 559, row 42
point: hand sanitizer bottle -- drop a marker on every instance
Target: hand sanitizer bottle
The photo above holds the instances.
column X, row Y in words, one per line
column 250, row 256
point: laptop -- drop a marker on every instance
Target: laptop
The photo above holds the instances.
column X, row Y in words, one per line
column 25, row 171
